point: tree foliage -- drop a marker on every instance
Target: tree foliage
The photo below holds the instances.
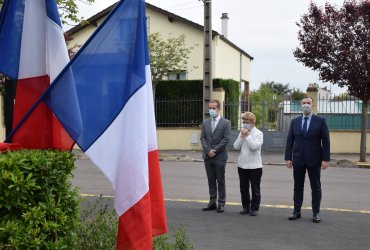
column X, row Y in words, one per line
column 297, row 94
column 335, row 42
column 278, row 88
column 167, row 56
column 265, row 100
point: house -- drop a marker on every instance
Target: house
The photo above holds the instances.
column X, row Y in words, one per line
column 229, row 60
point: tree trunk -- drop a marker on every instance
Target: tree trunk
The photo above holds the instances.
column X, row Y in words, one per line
column 365, row 109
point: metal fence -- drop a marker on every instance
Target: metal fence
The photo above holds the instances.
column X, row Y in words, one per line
column 272, row 115
column 186, row 112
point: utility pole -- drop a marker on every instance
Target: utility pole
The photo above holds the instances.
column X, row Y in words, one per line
column 207, row 54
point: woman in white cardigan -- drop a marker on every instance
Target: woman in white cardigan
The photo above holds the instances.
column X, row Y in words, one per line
column 249, row 143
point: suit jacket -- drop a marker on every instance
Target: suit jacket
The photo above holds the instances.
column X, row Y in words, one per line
column 312, row 149
column 217, row 140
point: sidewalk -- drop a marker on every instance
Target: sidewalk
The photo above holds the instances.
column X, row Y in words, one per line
column 268, row 158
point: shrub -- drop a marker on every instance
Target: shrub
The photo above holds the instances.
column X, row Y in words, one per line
column 98, row 230
column 180, row 241
column 38, row 204
column 98, row 227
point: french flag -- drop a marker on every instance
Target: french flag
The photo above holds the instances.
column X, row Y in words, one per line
column 33, row 52
column 104, row 99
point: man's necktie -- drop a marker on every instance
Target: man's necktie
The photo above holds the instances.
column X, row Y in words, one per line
column 213, row 124
column 304, row 128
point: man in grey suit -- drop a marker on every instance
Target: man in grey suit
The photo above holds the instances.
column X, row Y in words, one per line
column 214, row 138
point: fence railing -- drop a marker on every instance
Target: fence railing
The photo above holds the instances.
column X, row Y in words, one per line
column 186, row 112
column 273, row 115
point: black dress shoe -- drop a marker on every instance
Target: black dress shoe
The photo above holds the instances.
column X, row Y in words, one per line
column 253, row 213
column 295, row 215
column 244, row 211
column 220, row 209
column 210, row 207
column 316, row 218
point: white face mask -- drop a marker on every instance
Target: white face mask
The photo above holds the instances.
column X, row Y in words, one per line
column 306, row 108
column 247, row 126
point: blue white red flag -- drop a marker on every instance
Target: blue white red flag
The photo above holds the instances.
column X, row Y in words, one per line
column 33, row 52
column 104, row 99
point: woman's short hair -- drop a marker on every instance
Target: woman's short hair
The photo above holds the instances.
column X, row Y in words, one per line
column 249, row 116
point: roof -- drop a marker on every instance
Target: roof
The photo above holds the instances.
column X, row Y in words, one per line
column 171, row 17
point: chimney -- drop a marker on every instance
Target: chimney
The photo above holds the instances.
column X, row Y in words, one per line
column 224, row 24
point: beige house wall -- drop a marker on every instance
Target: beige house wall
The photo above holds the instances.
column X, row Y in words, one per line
column 347, row 142
column 180, row 139
column 80, row 37
column 226, row 59
column 158, row 23
column 229, row 62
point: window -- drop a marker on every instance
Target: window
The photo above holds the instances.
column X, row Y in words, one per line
column 177, row 76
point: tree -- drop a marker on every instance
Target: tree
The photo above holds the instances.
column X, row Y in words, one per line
column 68, row 10
column 335, row 42
column 279, row 88
column 167, row 56
column 297, row 94
column 265, row 100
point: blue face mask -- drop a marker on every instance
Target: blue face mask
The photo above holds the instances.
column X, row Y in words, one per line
column 213, row 113
column 247, row 126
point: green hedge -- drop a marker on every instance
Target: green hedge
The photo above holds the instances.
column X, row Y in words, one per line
column 179, row 89
column 170, row 93
column 232, row 93
column 39, row 207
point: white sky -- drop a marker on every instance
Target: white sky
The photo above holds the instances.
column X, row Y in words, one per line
column 265, row 29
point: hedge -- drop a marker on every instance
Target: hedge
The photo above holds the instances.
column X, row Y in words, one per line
column 39, row 207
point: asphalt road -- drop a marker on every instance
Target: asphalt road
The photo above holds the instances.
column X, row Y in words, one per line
column 345, row 208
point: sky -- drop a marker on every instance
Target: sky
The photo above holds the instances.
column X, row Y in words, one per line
column 265, row 29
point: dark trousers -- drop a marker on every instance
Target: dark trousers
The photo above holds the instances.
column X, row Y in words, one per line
column 215, row 170
column 299, row 173
column 252, row 176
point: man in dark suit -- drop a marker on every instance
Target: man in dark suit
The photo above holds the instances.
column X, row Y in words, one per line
column 307, row 148
column 214, row 138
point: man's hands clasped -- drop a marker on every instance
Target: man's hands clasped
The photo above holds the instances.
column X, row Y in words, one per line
column 212, row 153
